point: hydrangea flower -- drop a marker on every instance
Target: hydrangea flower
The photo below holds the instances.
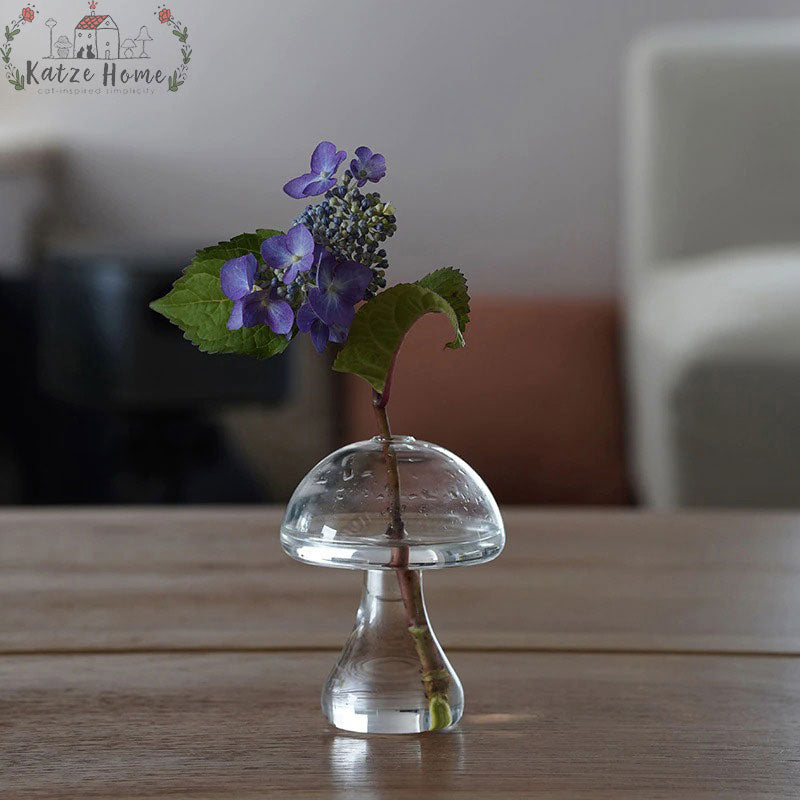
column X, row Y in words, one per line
column 266, row 307
column 250, row 308
column 321, row 333
column 329, row 260
column 339, row 287
column 367, row 166
column 325, row 161
column 293, row 252
column 237, row 278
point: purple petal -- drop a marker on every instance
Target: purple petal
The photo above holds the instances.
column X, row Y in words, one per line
column 304, row 265
column 319, row 335
column 297, row 186
column 299, row 245
column 325, row 160
column 306, row 262
column 280, row 316
column 367, row 166
column 237, row 275
column 325, row 269
column 275, row 252
column 351, row 280
column 309, row 322
column 305, row 318
column 266, row 308
column 319, row 253
column 235, row 319
column 299, row 241
column 358, row 164
column 324, row 154
column 319, row 186
column 291, row 273
column 254, row 310
column 376, row 167
column 330, row 308
column 337, row 334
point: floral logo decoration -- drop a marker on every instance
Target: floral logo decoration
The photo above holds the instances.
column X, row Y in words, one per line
column 94, row 49
column 178, row 77
column 13, row 29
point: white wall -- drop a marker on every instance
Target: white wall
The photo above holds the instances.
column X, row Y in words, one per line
column 499, row 121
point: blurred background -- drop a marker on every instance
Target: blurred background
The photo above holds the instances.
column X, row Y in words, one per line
column 619, row 180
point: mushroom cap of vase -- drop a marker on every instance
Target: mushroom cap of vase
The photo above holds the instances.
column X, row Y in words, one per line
column 340, row 513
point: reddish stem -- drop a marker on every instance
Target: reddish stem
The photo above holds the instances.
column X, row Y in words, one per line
column 435, row 677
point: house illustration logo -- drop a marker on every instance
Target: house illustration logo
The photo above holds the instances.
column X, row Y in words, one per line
column 98, row 34
column 97, row 54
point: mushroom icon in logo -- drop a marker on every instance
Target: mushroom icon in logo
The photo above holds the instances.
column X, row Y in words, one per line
column 63, row 46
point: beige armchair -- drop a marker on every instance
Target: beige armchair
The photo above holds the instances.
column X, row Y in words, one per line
column 712, row 265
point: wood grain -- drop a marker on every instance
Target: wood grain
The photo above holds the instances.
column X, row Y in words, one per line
column 178, row 653
column 216, row 579
column 537, row 725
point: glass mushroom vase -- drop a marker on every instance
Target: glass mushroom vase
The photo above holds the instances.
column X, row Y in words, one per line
column 392, row 507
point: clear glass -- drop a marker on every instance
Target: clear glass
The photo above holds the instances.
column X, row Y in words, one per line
column 375, row 686
column 337, row 516
column 392, row 507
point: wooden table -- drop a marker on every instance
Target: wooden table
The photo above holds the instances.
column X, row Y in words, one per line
column 604, row 655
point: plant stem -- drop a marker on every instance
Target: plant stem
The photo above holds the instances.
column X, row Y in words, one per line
column 435, row 677
column 396, row 528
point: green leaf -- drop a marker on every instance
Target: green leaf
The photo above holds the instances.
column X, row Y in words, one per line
column 197, row 305
column 451, row 285
column 381, row 324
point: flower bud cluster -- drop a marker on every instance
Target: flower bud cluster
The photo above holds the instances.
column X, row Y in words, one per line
column 352, row 225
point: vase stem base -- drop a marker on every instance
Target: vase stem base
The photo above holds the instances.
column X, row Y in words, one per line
column 376, row 685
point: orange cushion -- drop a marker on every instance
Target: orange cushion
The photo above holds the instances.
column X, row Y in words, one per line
column 533, row 402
